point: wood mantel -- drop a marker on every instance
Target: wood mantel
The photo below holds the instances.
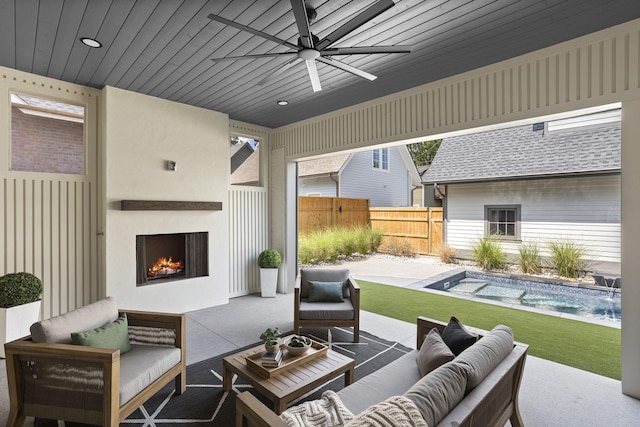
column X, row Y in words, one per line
column 169, row 205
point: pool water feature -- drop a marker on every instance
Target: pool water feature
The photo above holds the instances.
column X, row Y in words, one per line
column 581, row 301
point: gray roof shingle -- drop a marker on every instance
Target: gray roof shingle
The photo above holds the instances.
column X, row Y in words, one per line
column 521, row 152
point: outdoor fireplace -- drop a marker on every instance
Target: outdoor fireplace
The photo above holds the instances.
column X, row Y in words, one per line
column 167, row 257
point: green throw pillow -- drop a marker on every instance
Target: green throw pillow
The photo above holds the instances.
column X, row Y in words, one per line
column 111, row 335
column 325, row 291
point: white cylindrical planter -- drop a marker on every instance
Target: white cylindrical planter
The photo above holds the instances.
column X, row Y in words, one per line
column 268, row 282
column 16, row 321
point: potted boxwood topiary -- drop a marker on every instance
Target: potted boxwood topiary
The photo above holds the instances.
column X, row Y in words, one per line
column 19, row 305
column 269, row 260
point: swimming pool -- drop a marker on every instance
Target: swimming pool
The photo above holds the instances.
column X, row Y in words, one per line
column 579, row 301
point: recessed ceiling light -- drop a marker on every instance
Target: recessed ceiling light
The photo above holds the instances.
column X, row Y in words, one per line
column 283, row 103
column 91, row 42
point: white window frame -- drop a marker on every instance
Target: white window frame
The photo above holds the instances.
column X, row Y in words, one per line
column 489, row 229
column 380, row 159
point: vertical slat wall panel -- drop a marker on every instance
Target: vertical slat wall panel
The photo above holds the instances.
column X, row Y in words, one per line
column 597, row 69
column 45, row 230
column 249, row 235
column 49, row 222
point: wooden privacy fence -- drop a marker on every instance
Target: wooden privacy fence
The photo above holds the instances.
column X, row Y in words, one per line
column 419, row 227
column 319, row 213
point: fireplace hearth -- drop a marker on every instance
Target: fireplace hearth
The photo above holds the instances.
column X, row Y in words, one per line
column 168, row 257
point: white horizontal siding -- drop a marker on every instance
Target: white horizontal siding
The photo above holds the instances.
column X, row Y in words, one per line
column 585, row 210
column 389, row 188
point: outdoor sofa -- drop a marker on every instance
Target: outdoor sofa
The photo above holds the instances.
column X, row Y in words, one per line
column 479, row 387
column 49, row 377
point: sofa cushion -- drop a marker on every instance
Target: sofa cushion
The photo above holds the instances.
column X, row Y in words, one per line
column 326, row 310
column 58, row 329
column 390, row 380
column 143, row 365
column 482, row 357
column 111, row 335
column 433, row 353
column 457, row 337
column 323, row 275
column 438, row 392
column 325, row 291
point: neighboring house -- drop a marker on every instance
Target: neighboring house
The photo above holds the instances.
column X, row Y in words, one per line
column 385, row 176
column 427, row 195
column 535, row 183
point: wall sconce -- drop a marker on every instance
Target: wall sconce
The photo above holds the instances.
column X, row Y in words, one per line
column 172, row 166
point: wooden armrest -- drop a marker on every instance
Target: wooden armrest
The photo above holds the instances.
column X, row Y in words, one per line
column 68, row 352
column 251, row 412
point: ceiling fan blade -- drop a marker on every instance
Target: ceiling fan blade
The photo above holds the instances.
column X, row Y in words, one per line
column 260, row 55
column 302, row 21
column 360, row 50
column 348, row 68
column 313, row 74
column 278, row 72
column 360, row 19
column 251, row 30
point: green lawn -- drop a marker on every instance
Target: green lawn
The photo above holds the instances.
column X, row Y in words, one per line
column 582, row 345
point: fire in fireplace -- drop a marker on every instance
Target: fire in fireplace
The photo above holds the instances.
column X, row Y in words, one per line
column 165, row 267
column 165, row 257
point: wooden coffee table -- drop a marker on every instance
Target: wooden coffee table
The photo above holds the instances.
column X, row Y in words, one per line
column 291, row 383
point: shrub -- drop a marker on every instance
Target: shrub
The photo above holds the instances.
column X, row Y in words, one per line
column 488, row 254
column 328, row 245
column 18, row 289
column 269, row 258
column 567, row 258
column 397, row 247
column 529, row 258
column 446, row 253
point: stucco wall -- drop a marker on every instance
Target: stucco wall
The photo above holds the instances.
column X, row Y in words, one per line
column 141, row 133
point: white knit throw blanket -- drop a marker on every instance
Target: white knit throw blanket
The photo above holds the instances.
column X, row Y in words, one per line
column 329, row 411
column 397, row 411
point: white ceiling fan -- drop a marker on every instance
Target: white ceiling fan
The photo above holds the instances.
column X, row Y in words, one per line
column 311, row 49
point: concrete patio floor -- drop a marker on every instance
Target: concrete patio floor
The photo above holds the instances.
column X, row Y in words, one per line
column 551, row 394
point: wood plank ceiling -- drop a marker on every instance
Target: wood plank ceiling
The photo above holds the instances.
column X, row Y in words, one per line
column 164, row 48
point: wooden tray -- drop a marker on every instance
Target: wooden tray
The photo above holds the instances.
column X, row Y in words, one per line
column 254, row 362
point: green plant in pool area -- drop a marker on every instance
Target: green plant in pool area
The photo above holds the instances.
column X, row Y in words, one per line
column 269, row 258
column 446, row 253
column 397, row 247
column 567, row 258
column 489, row 255
column 18, row 289
column 529, row 260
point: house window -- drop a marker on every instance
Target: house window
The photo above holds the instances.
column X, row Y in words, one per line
column 503, row 222
column 245, row 161
column 381, row 159
column 46, row 136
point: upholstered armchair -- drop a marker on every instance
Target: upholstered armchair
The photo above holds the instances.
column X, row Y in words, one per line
column 326, row 298
column 94, row 365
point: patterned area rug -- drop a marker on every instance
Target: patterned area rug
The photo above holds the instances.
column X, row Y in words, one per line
column 205, row 404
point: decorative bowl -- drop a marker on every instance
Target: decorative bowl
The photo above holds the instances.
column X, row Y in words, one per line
column 297, row 345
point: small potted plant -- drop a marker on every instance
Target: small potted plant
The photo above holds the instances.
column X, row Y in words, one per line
column 269, row 260
column 19, row 305
column 270, row 338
